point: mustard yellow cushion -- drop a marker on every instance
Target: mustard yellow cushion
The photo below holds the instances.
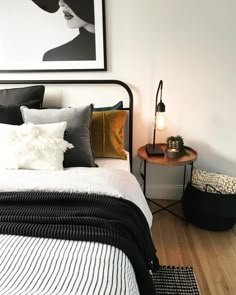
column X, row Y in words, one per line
column 108, row 134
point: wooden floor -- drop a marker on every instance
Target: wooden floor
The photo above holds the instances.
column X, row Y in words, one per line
column 211, row 254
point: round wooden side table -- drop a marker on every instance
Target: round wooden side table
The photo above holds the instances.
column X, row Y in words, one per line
column 187, row 159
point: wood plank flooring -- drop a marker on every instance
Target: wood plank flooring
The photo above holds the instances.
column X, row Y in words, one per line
column 211, row 254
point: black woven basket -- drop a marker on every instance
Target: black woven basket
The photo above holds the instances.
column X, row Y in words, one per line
column 212, row 211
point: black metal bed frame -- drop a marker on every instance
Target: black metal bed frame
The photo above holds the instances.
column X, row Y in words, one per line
column 104, row 82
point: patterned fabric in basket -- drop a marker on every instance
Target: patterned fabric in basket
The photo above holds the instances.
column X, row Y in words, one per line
column 213, row 182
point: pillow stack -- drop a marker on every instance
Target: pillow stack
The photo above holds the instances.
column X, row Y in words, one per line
column 52, row 139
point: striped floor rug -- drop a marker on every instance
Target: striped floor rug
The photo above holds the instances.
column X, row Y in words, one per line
column 175, row 280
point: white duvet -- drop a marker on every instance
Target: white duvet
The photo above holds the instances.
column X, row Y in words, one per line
column 109, row 181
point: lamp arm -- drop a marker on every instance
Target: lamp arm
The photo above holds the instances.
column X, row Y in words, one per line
column 160, row 86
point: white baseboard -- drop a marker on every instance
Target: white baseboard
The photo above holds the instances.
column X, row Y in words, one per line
column 173, row 192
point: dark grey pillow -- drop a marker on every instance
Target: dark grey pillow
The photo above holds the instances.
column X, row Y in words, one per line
column 78, row 131
column 118, row 106
column 12, row 115
column 19, row 96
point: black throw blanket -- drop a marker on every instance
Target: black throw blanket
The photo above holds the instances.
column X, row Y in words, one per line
column 84, row 217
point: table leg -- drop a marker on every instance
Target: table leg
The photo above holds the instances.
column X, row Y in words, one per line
column 191, row 174
column 166, row 208
column 144, row 177
column 184, row 179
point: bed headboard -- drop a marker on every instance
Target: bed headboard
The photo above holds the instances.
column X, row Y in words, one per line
column 89, row 83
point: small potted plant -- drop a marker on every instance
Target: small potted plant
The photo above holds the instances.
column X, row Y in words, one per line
column 175, row 146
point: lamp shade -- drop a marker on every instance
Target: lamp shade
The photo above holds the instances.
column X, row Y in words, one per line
column 161, row 121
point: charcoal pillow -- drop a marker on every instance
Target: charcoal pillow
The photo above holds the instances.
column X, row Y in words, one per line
column 77, row 132
column 118, row 106
column 19, row 96
column 11, row 114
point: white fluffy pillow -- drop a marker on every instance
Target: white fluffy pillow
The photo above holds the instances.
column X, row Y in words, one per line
column 30, row 146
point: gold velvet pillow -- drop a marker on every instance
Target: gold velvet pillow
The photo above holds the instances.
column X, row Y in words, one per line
column 108, row 134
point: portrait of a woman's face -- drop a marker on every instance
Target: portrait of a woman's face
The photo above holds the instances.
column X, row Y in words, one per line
column 63, row 34
column 75, row 15
column 73, row 21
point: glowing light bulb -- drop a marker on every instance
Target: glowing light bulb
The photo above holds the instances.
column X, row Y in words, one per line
column 161, row 121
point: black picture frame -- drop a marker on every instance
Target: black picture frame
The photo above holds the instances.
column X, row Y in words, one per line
column 27, row 32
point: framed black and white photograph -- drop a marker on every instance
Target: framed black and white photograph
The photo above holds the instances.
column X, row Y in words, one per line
column 52, row 35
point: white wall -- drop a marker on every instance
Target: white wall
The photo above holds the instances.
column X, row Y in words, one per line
column 191, row 45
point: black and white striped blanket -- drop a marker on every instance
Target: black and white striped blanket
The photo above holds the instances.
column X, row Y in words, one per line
column 80, row 217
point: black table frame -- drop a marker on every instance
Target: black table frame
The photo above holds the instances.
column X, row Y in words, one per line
column 166, row 208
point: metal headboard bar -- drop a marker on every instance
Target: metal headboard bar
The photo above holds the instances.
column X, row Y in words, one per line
column 115, row 82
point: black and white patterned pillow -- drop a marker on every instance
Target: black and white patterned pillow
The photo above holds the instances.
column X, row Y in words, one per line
column 213, row 182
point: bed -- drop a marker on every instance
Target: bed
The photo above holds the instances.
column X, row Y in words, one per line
column 73, row 219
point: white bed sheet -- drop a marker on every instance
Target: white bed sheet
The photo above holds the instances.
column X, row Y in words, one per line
column 111, row 163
